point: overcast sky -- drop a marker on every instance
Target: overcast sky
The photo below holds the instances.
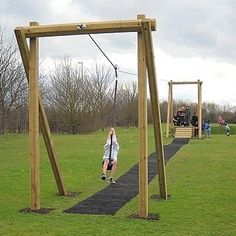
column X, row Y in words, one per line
column 195, row 39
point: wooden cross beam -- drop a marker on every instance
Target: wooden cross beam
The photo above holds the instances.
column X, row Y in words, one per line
column 184, row 82
column 121, row 26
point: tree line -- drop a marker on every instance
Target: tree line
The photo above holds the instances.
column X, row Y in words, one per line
column 77, row 102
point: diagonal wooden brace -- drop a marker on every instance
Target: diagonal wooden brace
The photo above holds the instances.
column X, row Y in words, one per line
column 24, row 51
column 150, row 64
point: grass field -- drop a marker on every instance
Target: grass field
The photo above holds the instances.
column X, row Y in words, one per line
column 201, row 178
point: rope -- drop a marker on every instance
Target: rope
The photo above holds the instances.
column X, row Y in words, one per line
column 110, row 149
column 113, row 123
column 113, row 117
column 104, row 54
column 128, row 73
column 102, row 51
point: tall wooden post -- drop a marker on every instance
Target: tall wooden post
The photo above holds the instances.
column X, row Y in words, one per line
column 168, row 114
column 150, row 63
column 34, row 122
column 143, row 141
column 171, row 108
column 199, row 109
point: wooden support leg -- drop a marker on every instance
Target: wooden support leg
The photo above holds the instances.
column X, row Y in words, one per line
column 25, row 53
column 143, row 143
column 51, row 150
column 199, row 109
column 149, row 55
column 34, row 124
column 171, row 109
column 168, row 114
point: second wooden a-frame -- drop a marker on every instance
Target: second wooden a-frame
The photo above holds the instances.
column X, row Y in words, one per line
column 37, row 116
column 170, row 114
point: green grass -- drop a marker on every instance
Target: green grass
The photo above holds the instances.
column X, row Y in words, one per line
column 201, row 179
column 219, row 129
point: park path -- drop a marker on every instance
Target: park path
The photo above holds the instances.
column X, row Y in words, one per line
column 113, row 197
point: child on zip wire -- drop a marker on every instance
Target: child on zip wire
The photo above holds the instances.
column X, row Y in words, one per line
column 111, row 149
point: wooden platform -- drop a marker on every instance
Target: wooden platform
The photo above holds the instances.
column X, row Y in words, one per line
column 183, row 132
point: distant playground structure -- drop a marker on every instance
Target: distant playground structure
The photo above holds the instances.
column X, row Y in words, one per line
column 37, row 116
column 183, row 130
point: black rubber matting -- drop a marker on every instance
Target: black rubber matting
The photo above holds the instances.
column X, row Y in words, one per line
column 112, row 198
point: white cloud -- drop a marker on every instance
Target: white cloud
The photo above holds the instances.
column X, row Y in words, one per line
column 198, row 28
column 195, row 39
column 218, row 77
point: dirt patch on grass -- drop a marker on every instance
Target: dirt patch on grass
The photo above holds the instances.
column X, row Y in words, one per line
column 151, row 216
column 73, row 194
column 158, row 197
column 40, row 211
column 70, row 194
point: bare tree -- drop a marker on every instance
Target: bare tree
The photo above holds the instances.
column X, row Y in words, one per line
column 128, row 105
column 64, row 96
column 78, row 102
column 13, row 83
column 100, row 79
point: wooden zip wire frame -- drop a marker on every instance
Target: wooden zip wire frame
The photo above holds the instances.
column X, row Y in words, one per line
column 170, row 114
column 37, row 116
